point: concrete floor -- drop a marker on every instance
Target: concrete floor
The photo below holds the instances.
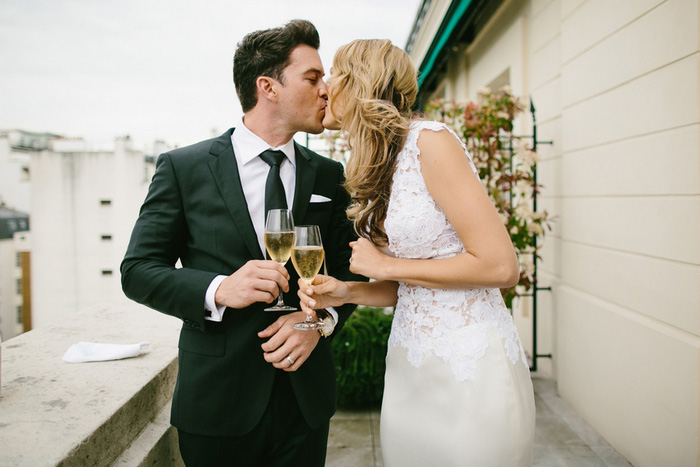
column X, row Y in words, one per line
column 562, row 438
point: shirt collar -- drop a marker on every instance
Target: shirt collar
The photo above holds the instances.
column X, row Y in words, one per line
column 249, row 145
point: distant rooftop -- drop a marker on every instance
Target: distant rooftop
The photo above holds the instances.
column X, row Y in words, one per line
column 22, row 140
column 12, row 221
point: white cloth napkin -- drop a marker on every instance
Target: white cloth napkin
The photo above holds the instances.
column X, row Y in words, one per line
column 95, row 352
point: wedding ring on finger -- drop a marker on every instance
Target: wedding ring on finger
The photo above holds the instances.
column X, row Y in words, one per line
column 290, row 360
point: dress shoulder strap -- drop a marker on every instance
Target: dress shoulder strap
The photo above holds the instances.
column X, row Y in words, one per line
column 418, row 125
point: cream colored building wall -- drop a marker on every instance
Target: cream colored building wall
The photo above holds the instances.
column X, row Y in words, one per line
column 629, row 324
column 616, row 85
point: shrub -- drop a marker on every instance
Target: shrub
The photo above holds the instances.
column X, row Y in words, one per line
column 360, row 351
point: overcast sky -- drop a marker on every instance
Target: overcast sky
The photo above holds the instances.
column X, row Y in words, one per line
column 154, row 69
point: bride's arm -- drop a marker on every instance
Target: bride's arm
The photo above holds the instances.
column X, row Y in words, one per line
column 374, row 293
column 490, row 259
column 327, row 292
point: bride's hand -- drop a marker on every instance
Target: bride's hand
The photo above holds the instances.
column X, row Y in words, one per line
column 368, row 260
column 325, row 292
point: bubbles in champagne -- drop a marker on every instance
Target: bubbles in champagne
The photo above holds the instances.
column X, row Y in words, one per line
column 279, row 245
column 307, row 260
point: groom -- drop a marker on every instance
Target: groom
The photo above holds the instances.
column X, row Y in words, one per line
column 250, row 389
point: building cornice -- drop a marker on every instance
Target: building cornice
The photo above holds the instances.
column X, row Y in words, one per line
column 459, row 24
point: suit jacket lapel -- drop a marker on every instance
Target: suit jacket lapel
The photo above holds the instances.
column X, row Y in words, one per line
column 306, row 175
column 225, row 171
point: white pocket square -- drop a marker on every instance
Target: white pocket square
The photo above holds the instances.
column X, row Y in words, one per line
column 318, row 199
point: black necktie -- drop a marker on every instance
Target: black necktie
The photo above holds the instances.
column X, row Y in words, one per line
column 274, row 190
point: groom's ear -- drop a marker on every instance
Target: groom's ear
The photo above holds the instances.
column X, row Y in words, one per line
column 267, row 88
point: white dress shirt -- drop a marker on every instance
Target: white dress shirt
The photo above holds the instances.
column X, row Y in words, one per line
column 253, row 173
column 247, row 146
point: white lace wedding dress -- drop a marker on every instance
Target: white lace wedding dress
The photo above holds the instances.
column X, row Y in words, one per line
column 457, row 386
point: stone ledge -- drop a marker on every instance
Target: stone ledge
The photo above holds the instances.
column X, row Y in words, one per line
column 58, row 413
column 156, row 446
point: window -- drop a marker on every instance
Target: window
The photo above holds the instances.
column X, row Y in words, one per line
column 18, row 259
column 106, row 237
column 106, row 272
column 24, row 175
column 19, row 314
column 19, row 287
column 105, row 202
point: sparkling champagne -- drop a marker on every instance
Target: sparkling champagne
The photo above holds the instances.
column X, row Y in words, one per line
column 307, row 260
column 279, row 245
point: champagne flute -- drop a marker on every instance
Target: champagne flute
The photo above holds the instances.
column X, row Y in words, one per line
column 307, row 258
column 279, row 239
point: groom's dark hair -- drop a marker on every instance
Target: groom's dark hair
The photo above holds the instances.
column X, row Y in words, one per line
column 267, row 53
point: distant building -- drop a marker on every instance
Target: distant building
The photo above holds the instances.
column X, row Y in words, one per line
column 16, row 146
column 84, row 204
column 15, row 276
column 83, row 201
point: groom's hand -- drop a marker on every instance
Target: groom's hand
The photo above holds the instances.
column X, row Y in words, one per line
column 285, row 341
column 256, row 281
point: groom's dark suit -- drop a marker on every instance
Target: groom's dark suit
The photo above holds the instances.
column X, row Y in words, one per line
column 195, row 211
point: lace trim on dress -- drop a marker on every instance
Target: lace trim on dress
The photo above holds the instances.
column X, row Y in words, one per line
column 451, row 324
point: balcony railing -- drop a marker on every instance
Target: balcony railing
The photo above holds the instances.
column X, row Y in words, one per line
column 100, row 413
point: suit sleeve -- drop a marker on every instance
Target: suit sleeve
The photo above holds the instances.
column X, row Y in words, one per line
column 159, row 239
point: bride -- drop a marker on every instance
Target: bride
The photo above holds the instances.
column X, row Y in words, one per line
column 457, row 385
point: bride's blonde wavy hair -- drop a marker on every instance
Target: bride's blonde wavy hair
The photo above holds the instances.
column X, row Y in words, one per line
column 376, row 84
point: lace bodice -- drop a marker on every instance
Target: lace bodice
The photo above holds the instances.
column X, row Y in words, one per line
column 452, row 324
